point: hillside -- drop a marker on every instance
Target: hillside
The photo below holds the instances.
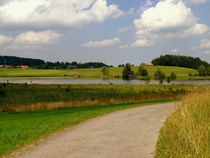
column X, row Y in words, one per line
column 182, row 73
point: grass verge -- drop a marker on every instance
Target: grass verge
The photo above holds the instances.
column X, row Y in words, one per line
column 186, row 132
column 20, row 128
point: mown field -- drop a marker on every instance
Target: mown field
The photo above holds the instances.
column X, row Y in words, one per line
column 186, row 132
column 182, row 73
column 22, row 97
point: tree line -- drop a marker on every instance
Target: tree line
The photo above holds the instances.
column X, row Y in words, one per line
column 181, row 61
column 41, row 64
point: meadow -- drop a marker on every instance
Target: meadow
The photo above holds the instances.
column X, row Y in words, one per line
column 185, row 133
column 24, row 97
column 21, row 128
column 182, row 73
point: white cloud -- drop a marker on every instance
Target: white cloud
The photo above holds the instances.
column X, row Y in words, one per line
column 198, row 1
column 168, row 19
column 5, row 40
column 175, row 51
column 124, row 46
column 29, row 40
column 205, row 44
column 104, row 43
column 41, row 37
column 52, row 14
column 142, row 43
column 207, row 52
column 124, row 29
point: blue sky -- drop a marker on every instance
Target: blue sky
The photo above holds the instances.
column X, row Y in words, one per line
column 110, row 31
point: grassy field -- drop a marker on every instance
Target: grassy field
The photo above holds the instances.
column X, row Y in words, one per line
column 21, row 97
column 19, row 129
column 182, row 73
column 186, row 132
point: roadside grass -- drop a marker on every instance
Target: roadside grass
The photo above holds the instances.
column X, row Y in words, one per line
column 182, row 73
column 21, row 128
column 21, row 97
column 185, row 133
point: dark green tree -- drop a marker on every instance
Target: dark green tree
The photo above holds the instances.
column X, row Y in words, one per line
column 168, row 79
column 202, row 70
column 159, row 75
column 142, row 71
column 127, row 72
column 173, row 76
column 208, row 71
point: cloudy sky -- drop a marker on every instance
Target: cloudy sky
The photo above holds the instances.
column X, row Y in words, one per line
column 110, row 31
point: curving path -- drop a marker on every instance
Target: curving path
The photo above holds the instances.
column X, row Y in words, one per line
column 130, row 133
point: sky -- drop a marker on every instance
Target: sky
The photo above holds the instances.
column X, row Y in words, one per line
column 110, row 31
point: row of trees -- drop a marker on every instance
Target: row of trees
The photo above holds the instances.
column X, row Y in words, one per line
column 41, row 64
column 204, row 71
column 142, row 72
column 181, row 61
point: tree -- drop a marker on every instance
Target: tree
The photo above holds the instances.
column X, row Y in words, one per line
column 178, row 60
column 173, row 76
column 159, row 75
column 168, row 79
column 127, row 72
column 142, row 71
column 105, row 72
column 202, row 70
column 208, row 71
column 147, row 79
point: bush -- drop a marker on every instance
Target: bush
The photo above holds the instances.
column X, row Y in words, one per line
column 159, row 75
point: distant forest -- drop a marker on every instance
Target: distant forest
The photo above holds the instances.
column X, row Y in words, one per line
column 181, row 61
column 41, row 64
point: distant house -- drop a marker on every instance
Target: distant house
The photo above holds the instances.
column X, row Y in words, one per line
column 72, row 66
column 6, row 66
column 148, row 64
column 22, row 67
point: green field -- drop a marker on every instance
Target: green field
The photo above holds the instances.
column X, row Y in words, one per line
column 19, row 129
column 182, row 73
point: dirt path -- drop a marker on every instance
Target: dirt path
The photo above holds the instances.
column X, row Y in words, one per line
column 130, row 133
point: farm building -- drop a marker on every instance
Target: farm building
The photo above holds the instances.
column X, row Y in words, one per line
column 148, row 64
column 22, row 67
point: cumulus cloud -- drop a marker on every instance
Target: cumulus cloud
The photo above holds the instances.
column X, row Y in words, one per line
column 41, row 37
column 168, row 19
column 198, row 1
column 29, row 40
column 142, row 43
column 205, row 44
column 207, row 52
column 124, row 29
column 104, row 43
column 5, row 40
column 50, row 14
column 175, row 51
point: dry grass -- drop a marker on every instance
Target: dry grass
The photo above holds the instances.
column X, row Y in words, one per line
column 186, row 132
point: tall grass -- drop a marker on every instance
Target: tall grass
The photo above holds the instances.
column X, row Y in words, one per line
column 19, row 97
column 186, row 132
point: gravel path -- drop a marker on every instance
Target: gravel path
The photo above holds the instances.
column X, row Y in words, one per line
column 130, row 133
